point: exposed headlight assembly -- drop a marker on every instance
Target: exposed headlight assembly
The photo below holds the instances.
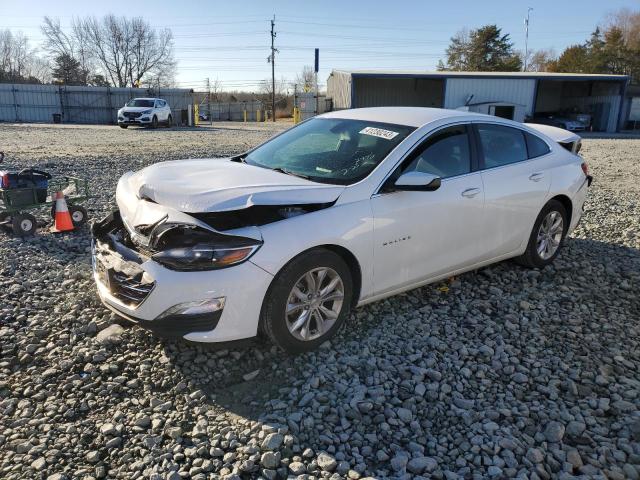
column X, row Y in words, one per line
column 206, row 256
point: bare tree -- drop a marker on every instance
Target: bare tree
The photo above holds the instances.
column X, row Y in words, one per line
column 215, row 87
column 539, row 60
column 15, row 57
column 126, row 51
column 39, row 68
column 306, row 79
column 628, row 21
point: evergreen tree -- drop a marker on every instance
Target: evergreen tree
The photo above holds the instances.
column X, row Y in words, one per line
column 67, row 71
column 485, row 49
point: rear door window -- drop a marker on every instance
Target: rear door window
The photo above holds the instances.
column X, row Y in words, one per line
column 501, row 145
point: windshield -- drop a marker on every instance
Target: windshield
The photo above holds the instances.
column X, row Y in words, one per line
column 138, row 102
column 330, row 150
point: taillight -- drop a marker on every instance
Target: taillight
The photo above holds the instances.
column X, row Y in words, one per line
column 585, row 168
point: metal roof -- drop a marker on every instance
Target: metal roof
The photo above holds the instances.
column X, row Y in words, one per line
column 451, row 74
column 410, row 116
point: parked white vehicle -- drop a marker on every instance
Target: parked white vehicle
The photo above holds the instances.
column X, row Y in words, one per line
column 145, row 112
column 344, row 209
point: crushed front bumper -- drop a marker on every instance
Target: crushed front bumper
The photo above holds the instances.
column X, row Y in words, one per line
column 139, row 289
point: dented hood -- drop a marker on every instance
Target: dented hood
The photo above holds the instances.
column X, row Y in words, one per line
column 219, row 185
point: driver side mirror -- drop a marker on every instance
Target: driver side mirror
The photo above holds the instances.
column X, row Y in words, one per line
column 417, row 182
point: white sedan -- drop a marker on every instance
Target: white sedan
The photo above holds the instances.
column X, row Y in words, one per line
column 344, row 209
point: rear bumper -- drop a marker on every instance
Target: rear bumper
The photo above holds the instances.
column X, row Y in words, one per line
column 578, row 203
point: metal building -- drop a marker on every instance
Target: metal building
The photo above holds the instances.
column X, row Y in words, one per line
column 38, row 103
column 597, row 100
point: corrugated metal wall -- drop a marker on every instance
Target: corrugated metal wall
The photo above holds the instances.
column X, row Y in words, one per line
column 38, row 103
column 518, row 91
column 234, row 111
column 406, row 92
column 339, row 89
column 606, row 106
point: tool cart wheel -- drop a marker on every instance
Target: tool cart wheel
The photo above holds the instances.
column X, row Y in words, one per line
column 78, row 215
column 24, row 224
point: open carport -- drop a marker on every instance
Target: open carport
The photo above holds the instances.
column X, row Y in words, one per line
column 521, row 96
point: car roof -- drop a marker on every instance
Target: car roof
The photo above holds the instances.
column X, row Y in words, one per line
column 409, row 116
column 146, row 98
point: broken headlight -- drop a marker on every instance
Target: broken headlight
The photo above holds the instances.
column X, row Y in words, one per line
column 205, row 256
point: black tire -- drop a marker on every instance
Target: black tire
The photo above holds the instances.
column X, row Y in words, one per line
column 169, row 121
column 24, row 224
column 273, row 320
column 531, row 258
column 124, row 126
column 154, row 122
column 78, row 214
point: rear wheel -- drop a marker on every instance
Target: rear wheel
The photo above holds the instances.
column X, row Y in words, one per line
column 546, row 237
column 308, row 301
column 24, row 224
column 169, row 121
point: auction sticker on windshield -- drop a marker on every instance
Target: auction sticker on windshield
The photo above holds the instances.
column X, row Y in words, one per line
column 379, row 132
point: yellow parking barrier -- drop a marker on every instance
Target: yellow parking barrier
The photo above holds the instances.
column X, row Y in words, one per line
column 258, row 115
column 244, row 113
column 196, row 114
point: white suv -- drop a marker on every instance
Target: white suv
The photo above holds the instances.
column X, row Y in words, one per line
column 145, row 111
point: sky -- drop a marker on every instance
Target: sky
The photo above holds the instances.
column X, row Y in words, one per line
column 229, row 41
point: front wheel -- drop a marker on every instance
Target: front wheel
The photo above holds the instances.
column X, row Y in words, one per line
column 546, row 237
column 154, row 122
column 308, row 301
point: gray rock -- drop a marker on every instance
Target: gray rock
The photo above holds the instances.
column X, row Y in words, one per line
column 534, row 455
column 272, row 441
column 422, row 465
column 39, row 464
column 270, row 460
column 111, row 334
column 297, row 468
column 554, row 432
column 326, row 462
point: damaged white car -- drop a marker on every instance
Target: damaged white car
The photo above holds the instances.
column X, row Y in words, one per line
column 341, row 210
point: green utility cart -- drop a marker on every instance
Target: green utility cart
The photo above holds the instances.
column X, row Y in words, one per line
column 15, row 203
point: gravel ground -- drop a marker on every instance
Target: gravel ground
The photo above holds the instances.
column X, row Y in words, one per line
column 505, row 372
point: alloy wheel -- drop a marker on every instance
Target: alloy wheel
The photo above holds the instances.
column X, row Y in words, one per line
column 550, row 235
column 314, row 303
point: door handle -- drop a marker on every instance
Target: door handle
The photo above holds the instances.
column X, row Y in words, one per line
column 470, row 192
column 536, row 177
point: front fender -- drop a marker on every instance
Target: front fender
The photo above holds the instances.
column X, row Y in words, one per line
column 349, row 226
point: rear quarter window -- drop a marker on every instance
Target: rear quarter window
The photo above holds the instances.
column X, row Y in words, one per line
column 536, row 146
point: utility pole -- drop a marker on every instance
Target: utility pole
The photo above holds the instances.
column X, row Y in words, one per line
column 526, row 38
column 272, row 59
column 209, row 102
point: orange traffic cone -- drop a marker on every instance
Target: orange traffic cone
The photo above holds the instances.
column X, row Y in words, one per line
column 63, row 222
